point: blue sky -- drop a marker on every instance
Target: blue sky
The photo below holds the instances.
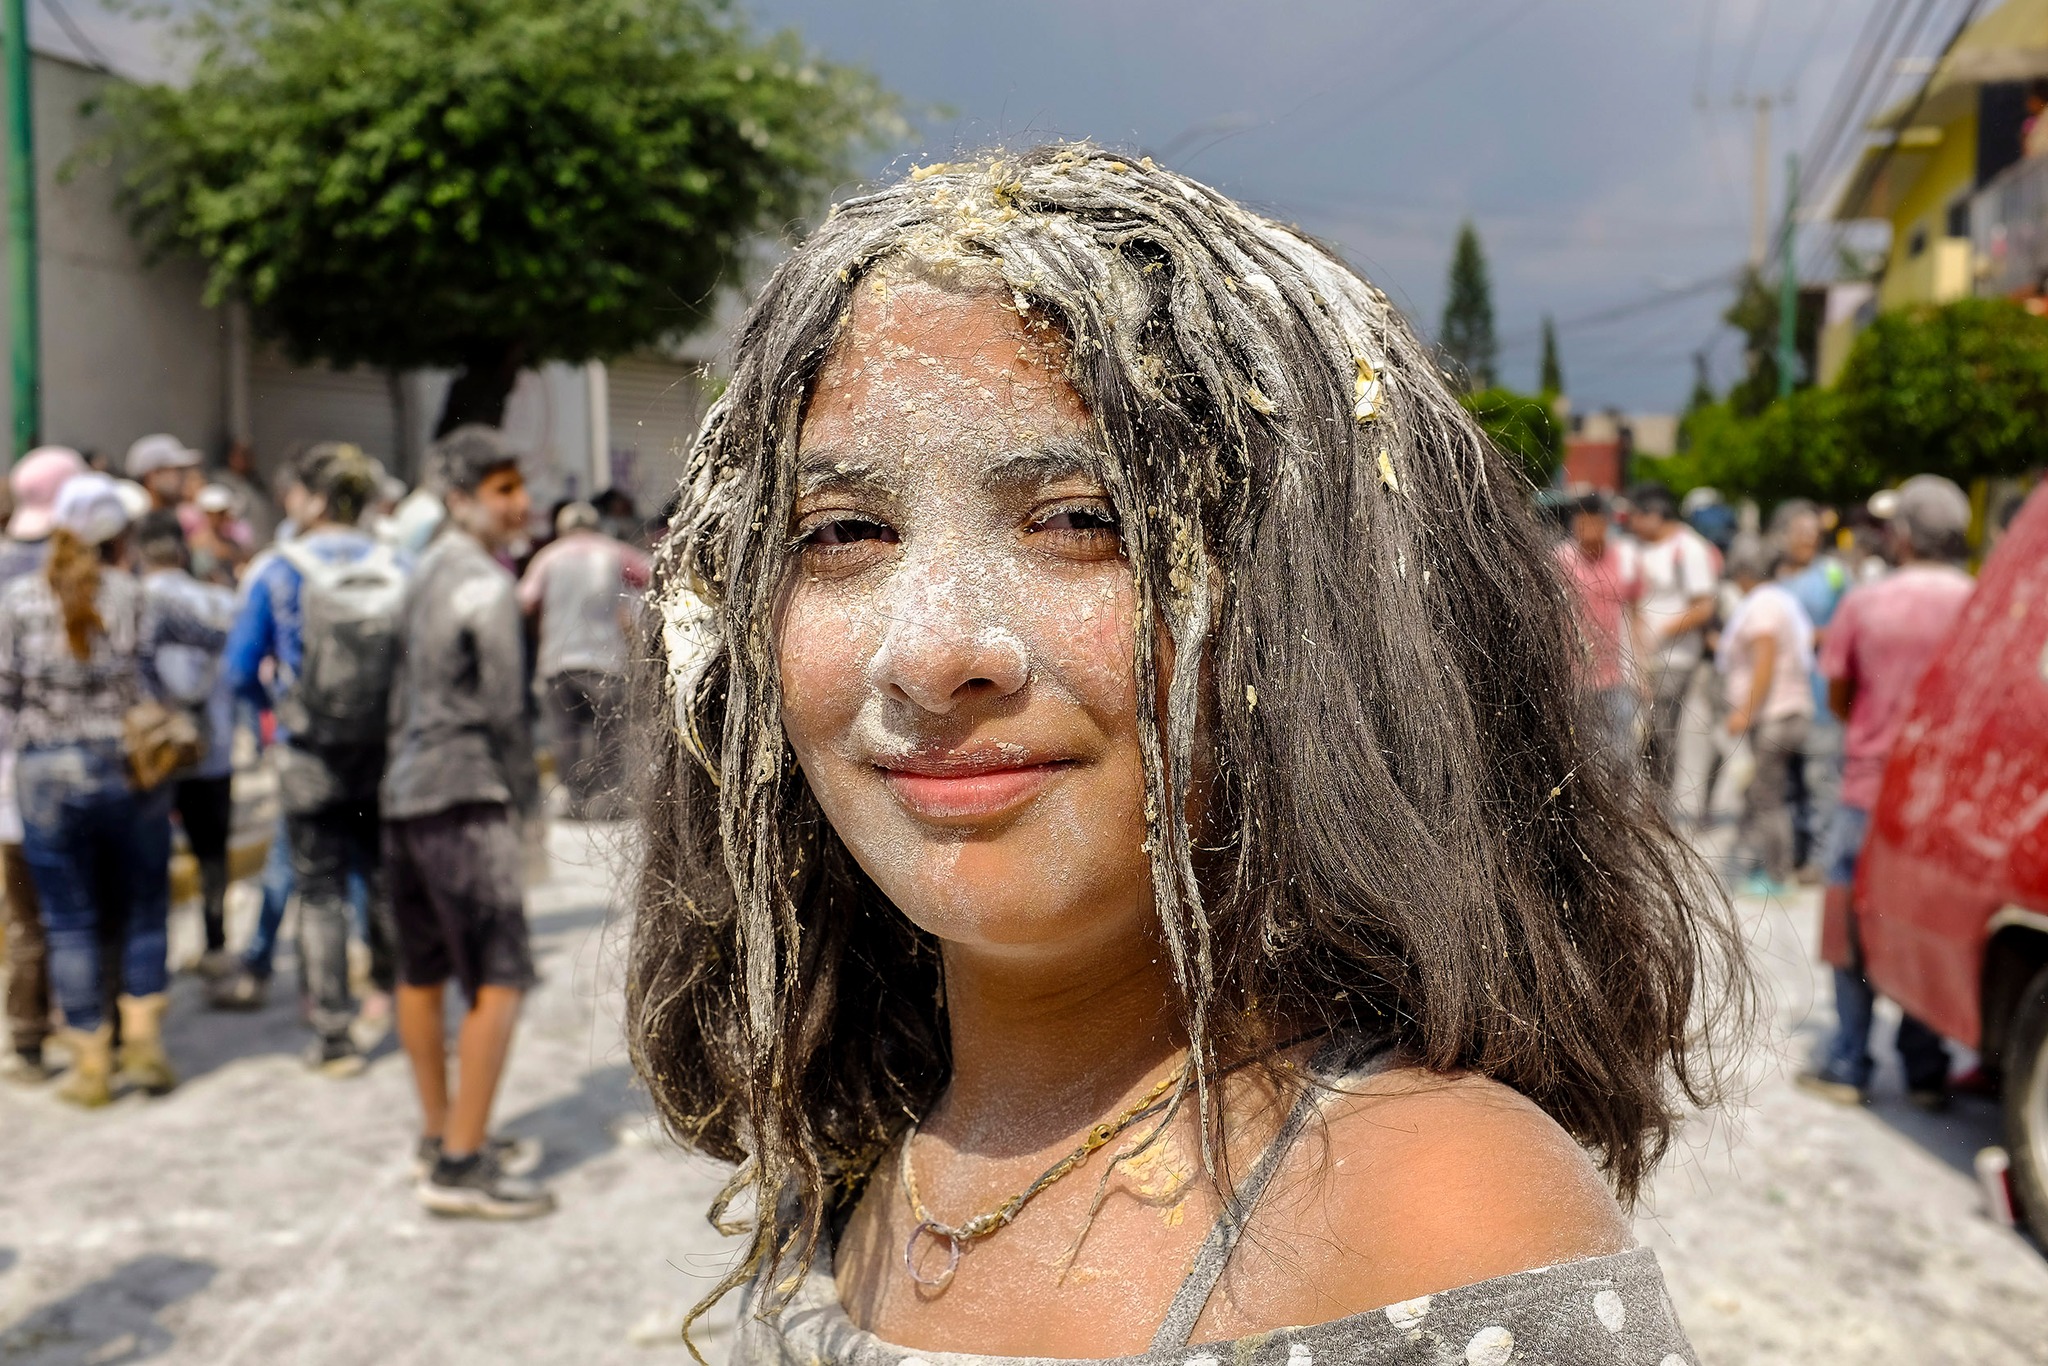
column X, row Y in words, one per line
column 1571, row 131
column 1568, row 130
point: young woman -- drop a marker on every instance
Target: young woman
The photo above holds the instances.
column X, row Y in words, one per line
column 1130, row 860
column 78, row 645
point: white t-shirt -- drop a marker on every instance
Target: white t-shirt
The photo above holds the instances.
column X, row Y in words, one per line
column 1770, row 612
column 1677, row 572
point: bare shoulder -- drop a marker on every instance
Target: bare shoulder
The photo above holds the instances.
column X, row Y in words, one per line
column 1414, row 1183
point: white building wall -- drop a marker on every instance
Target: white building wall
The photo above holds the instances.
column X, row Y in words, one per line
column 127, row 349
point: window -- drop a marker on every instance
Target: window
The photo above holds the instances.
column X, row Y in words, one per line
column 1917, row 243
column 1959, row 218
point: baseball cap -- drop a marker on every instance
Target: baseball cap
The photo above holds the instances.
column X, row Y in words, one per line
column 159, row 452
column 216, row 498
column 1932, row 506
column 36, row 482
column 91, row 508
column 134, row 497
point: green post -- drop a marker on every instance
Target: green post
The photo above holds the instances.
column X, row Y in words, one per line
column 24, row 307
column 1788, row 283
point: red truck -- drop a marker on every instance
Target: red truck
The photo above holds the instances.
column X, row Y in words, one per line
column 1952, row 891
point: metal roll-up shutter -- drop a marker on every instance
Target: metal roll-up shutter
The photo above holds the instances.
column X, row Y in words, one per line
column 653, row 408
column 290, row 404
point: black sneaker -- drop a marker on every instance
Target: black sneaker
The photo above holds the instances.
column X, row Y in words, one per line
column 515, row 1156
column 478, row 1188
column 337, row 1057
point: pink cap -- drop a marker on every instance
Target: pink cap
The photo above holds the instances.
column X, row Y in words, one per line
column 36, row 481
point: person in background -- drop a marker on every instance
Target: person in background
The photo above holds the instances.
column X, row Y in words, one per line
column 615, row 508
column 253, row 503
column 34, row 483
column 1765, row 657
column 76, row 656
column 1603, row 570
column 162, row 464
column 1882, row 638
column 1818, row 579
column 460, row 797
column 1679, row 581
column 583, row 587
column 217, row 540
column 193, row 679
column 322, row 611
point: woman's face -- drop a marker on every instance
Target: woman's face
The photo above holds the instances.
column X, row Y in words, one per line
column 956, row 639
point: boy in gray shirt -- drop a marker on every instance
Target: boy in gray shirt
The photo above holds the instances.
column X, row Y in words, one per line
column 460, row 787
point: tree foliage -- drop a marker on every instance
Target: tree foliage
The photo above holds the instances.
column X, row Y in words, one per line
column 484, row 183
column 1959, row 390
column 1467, row 339
column 1550, row 376
column 1525, row 427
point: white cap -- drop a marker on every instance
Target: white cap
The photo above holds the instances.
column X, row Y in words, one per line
column 133, row 497
column 216, row 498
column 159, row 452
column 91, row 508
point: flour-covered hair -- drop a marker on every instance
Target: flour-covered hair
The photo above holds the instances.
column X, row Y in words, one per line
column 1411, row 823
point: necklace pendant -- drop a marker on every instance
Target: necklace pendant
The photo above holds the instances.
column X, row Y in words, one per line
column 952, row 1241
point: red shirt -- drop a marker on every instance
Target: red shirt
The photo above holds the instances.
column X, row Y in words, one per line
column 1605, row 588
column 1882, row 638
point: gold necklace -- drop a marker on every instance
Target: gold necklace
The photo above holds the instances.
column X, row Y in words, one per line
column 981, row 1225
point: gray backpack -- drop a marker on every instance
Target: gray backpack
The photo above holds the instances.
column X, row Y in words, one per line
column 348, row 629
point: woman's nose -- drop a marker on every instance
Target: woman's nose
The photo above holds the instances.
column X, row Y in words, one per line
column 939, row 662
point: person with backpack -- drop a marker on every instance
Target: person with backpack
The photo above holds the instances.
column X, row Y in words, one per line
column 460, row 797
column 193, row 680
column 323, row 612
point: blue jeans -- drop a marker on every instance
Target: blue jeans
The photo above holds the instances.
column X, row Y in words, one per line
column 97, row 850
column 1848, row 1054
column 279, row 882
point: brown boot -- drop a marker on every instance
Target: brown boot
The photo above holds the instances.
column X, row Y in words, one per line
column 142, row 1043
column 86, row 1083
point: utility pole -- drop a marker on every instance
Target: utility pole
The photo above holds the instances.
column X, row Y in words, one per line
column 24, row 307
column 1788, row 282
column 1760, row 183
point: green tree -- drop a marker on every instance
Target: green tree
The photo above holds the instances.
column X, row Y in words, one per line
column 1467, row 339
column 484, row 184
column 1525, row 427
column 1755, row 315
column 1550, row 376
column 1960, row 390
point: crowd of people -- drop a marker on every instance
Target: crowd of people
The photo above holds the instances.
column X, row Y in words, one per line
column 383, row 652
column 1794, row 648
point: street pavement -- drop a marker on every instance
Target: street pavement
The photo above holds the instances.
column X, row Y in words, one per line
column 262, row 1214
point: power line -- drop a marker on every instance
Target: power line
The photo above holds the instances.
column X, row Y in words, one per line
column 1457, row 54
column 1756, row 39
column 1600, row 317
column 92, row 54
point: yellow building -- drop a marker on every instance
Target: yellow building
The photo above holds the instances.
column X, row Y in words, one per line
column 1929, row 156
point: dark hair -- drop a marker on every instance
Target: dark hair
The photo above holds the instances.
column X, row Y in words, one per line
column 342, row 476
column 160, row 538
column 470, row 454
column 1412, row 827
column 1654, row 499
column 1593, row 503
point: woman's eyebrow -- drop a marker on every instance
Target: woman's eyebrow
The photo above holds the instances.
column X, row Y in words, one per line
column 1045, row 463
column 835, row 469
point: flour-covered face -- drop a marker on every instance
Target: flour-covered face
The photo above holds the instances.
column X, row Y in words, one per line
column 956, row 640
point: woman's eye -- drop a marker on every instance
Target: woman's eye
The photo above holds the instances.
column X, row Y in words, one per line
column 1079, row 519
column 847, row 530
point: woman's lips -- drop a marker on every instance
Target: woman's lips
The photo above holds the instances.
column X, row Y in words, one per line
column 944, row 792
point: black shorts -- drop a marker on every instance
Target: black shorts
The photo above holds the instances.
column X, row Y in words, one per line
column 457, row 895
